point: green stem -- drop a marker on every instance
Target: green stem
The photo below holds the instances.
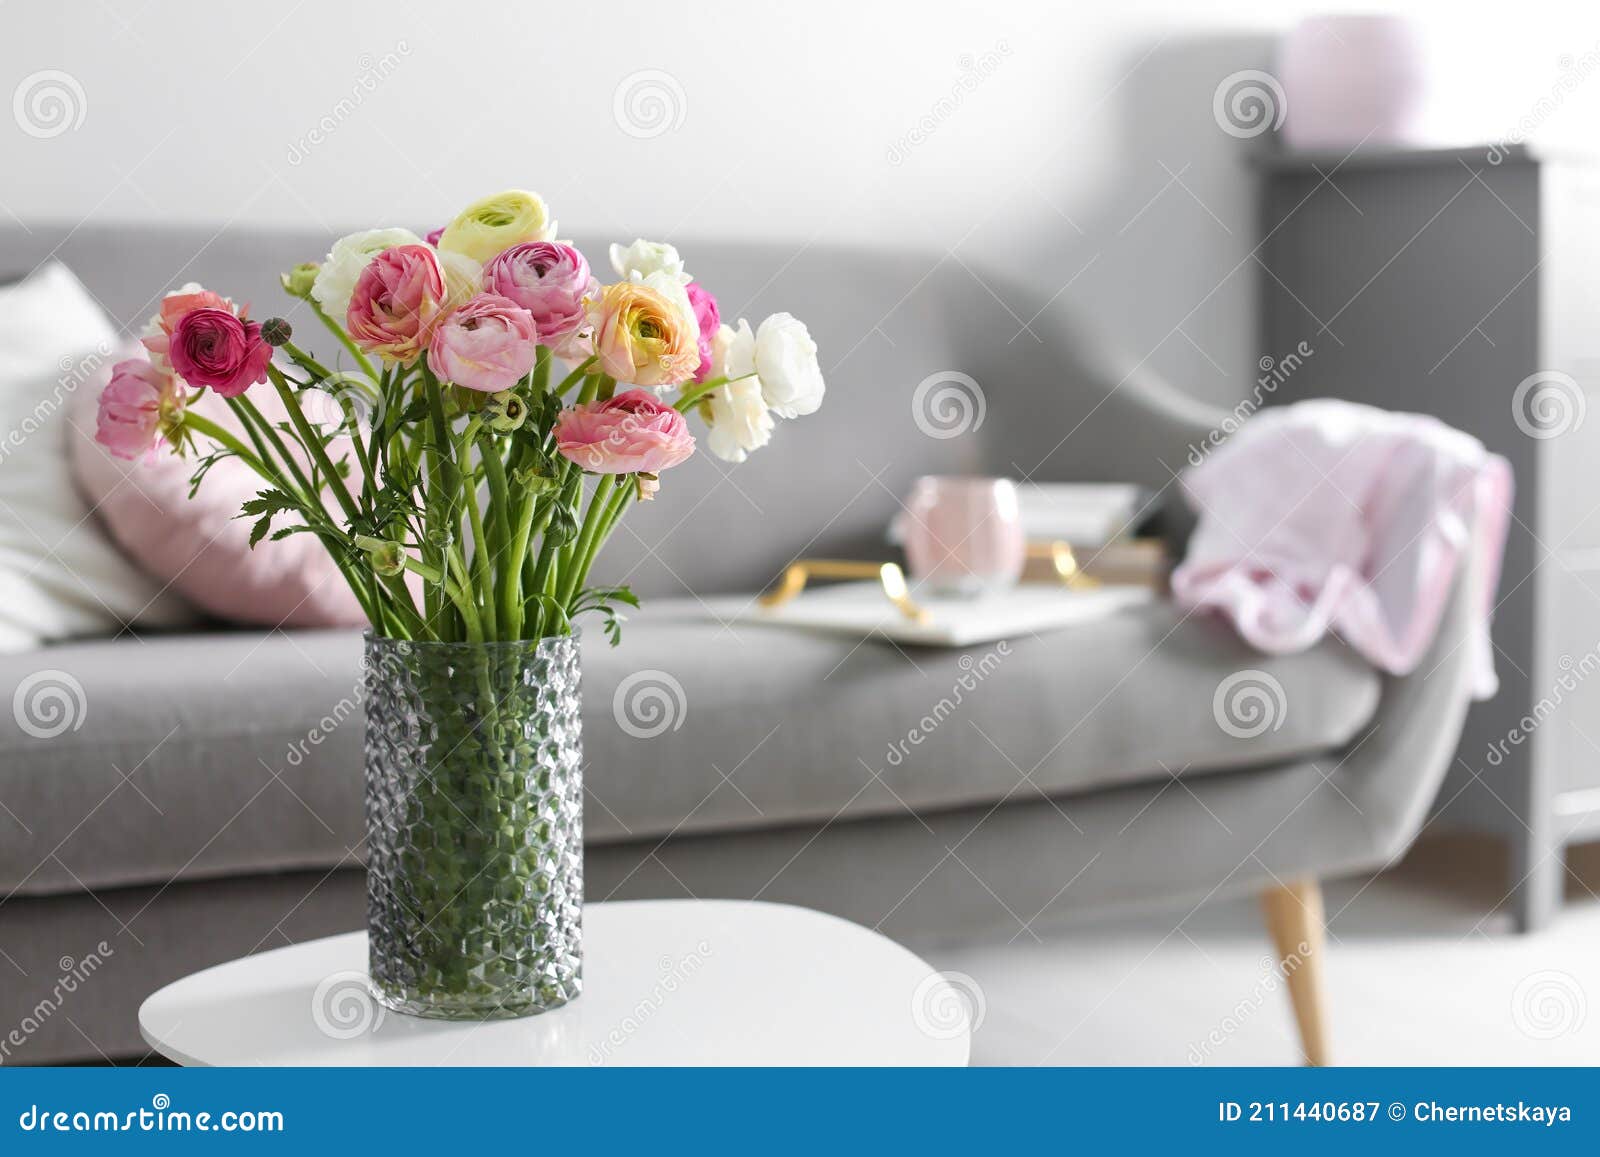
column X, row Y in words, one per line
column 512, row 540
column 344, row 339
column 459, row 594
column 441, row 489
column 693, row 394
column 313, row 444
column 254, row 419
column 538, row 582
column 401, row 602
column 217, row 434
column 211, row 430
column 613, row 515
column 580, row 548
column 305, row 361
column 255, row 438
column 482, row 548
column 321, row 372
column 331, row 538
column 577, row 375
column 541, row 369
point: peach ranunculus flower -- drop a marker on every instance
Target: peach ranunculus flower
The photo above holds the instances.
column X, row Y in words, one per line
column 396, row 303
column 643, row 338
column 632, row 433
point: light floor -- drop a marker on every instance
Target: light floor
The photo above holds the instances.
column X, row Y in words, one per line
column 1421, row 971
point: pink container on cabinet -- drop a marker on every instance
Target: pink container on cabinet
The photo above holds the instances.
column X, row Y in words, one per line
column 1352, row 80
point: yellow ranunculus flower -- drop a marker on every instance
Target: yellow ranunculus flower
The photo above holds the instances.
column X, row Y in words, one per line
column 496, row 223
column 641, row 337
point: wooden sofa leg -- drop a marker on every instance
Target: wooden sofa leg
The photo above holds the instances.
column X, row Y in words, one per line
column 1295, row 918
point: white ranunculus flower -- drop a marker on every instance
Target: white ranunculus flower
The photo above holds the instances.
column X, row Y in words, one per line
column 638, row 261
column 786, row 361
column 733, row 351
column 738, row 420
column 341, row 269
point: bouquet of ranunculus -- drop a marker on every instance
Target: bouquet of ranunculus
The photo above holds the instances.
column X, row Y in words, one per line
column 499, row 408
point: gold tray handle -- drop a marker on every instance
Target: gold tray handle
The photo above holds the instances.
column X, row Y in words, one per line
column 1065, row 564
column 890, row 577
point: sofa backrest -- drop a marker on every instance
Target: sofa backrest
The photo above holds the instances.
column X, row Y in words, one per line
column 932, row 367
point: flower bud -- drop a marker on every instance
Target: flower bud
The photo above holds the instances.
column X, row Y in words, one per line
column 535, row 479
column 275, row 331
column 505, row 412
column 299, row 280
column 388, row 559
column 647, row 485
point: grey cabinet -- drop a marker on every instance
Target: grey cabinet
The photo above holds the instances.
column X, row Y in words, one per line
column 1466, row 284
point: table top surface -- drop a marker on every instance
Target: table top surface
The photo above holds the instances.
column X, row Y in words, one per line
column 666, row 982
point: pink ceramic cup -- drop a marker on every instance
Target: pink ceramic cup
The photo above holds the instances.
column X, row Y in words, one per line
column 963, row 535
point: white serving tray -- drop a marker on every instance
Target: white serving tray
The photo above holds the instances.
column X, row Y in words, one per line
column 861, row 608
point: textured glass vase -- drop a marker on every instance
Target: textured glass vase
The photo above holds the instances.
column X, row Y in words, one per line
column 474, row 826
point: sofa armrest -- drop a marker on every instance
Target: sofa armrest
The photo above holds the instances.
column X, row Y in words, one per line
column 1394, row 769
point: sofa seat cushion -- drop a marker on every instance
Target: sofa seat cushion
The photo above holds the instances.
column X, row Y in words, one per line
column 229, row 753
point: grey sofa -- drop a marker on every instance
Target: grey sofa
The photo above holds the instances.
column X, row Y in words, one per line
column 210, row 803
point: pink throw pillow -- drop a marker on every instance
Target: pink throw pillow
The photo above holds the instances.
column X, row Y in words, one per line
column 199, row 546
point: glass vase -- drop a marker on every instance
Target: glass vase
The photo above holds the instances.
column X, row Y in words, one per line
column 474, row 808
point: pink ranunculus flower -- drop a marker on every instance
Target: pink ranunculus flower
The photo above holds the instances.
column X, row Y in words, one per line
column 157, row 338
column 709, row 318
column 138, row 405
column 549, row 280
column 396, row 303
column 488, row 344
column 631, row 433
column 211, row 347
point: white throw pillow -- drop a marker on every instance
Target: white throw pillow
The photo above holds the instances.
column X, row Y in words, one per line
column 60, row 576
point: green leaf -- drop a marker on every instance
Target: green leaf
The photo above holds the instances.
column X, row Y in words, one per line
column 597, row 598
column 416, row 412
column 203, row 467
column 601, row 599
column 563, row 525
column 259, row 530
column 269, row 501
column 284, row 532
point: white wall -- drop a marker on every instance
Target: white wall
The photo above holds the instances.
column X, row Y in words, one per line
column 1081, row 153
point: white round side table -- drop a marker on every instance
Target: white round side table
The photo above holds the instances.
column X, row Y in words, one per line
column 666, row 982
